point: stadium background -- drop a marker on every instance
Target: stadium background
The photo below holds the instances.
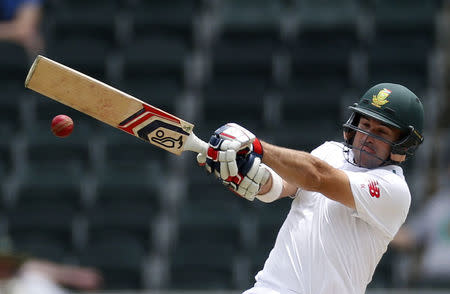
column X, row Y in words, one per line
column 284, row 69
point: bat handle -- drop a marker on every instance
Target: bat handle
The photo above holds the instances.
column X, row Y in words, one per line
column 193, row 143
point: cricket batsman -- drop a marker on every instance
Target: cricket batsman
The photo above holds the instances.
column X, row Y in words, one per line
column 350, row 198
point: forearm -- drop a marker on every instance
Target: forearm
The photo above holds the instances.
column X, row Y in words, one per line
column 297, row 168
column 24, row 27
column 8, row 31
column 72, row 276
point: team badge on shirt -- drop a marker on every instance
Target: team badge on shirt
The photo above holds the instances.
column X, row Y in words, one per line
column 373, row 189
column 380, row 99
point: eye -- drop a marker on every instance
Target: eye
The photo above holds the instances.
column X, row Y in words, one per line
column 365, row 125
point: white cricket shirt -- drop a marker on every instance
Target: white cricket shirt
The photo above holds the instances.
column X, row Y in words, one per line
column 324, row 247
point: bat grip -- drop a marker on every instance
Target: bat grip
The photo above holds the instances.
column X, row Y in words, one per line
column 193, row 143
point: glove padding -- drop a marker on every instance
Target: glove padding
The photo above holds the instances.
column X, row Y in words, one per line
column 251, row 177
column 227, row 141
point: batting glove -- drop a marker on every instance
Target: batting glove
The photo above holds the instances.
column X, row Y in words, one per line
column 252, row 175
column 225, row 144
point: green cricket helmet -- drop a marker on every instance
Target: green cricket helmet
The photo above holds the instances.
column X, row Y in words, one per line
column 393, row 105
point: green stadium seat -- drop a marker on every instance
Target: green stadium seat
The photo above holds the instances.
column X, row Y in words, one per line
column 174, row 18
column 41, row 246
column 84, row 53
column 14, row 61
column 201, row 266
column 43, row 147
column 120, row 259
column 155, row 54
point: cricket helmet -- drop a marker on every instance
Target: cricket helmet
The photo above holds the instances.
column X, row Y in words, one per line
column 393, row 105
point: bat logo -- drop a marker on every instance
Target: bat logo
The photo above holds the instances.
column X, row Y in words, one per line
column 156, row 127
column 167, row 142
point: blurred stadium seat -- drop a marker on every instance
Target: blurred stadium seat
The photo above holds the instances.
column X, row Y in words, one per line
column 119, row 257
column 69, row 18
column 202, row 266
column 41, row 246
column 6, row 152
column 14, row 61
column 43, row 147
column 11, row 103
column 131, row 209
column 86, row 54
column 119, row 148
column 238, row 92
column 159, row 17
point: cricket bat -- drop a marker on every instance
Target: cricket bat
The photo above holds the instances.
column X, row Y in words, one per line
column 111, row 106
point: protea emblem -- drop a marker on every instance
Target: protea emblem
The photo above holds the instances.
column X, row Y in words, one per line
column 380, row 99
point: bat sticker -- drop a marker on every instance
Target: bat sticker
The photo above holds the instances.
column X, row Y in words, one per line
column 154, row 127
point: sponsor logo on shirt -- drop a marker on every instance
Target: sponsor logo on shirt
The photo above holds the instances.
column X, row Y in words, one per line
column 373, row 189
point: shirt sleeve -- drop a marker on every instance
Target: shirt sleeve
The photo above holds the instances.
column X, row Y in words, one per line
column 382, row 199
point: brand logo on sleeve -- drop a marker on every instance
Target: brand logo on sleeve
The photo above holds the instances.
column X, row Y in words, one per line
column 373, row 189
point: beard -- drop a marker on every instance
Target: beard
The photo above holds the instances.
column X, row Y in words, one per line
column 365, row 155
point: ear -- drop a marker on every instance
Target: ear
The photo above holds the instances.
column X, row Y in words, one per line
column 398, row 157
column 348, row 136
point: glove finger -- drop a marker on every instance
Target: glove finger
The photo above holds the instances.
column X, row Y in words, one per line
column 245, row 183
column 232, row 168
column 249, row 196
column 245, row 194
column 254, row 168
column 228, row 155
column 212, row 153
column 201, row 159
column 253, row 188
column 224, row 171
column 230, row 145
column 265, row 177
column 259, row 175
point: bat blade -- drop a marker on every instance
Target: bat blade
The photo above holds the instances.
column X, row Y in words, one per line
column 112, row 106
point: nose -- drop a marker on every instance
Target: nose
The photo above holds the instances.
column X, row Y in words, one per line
column 367, row 139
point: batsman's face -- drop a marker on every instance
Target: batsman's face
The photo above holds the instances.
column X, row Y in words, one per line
column 374, row 151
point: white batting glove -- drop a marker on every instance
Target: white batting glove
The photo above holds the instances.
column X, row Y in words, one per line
column 251, row 177
column 224, row 145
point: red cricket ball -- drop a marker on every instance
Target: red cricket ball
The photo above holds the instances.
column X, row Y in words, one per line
column 62, row 126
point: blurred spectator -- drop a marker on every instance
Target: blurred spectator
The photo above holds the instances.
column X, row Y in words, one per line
column 428, row 232
column 32, row 276
column 20, row 23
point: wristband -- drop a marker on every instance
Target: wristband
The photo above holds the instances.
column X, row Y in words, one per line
column 276, row 189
